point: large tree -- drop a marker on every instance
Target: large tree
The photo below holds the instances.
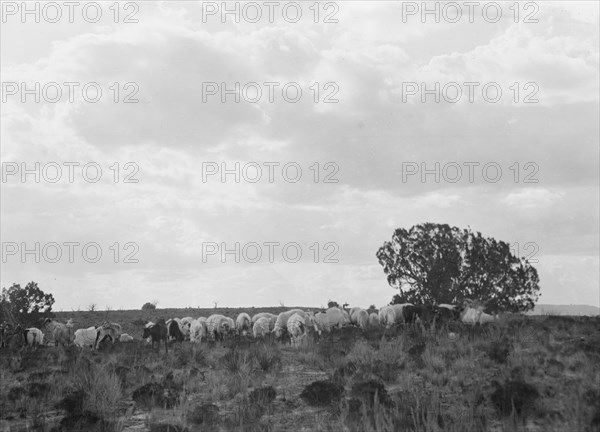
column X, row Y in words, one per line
column 28, row 305
column 433, row 263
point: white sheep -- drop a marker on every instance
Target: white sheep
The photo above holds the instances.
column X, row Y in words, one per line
column 243, row 323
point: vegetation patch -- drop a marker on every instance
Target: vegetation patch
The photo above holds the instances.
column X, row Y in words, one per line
column 167, row 427
column 72, row 402
column 499, row 350
column 38, row 390
column 369, row 391
column 322, row 393
column 262, row 396
column 154, row 395
column 203, row 414
column 267, row 356
column 82, row 421
column 514, row 395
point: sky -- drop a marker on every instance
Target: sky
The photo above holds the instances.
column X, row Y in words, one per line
column 261, row 157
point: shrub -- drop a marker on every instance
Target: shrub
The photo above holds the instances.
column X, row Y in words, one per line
column 267, row 356
column 322, row 393
column 203, row 414
column 366, row 391
column 262, row 395
column 499, row 350
column 154, row 395
column 236, row 361
column 101, row 386
column 515, row 394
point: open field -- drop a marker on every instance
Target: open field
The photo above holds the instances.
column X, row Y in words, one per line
column 521, row 374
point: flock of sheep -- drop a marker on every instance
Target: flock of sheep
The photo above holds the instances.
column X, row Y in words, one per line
column 295, row 324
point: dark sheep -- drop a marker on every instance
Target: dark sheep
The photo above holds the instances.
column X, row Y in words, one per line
column 157, row 332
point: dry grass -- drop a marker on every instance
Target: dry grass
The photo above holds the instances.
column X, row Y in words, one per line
column 522, row 374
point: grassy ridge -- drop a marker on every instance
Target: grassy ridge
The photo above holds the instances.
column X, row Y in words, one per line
column 523, row 374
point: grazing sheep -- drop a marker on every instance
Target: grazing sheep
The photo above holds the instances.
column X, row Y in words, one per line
column 354, row 315
column 373, row 320
column 424, row 314
column 125, row 338
column 399, row 312
column 174, row 330
column 86, row 337
column 280, row 326
column 472, row 316
column 362, row 319
column 346, row 316
column 33, row 336
column 387, row 316
column 268, row 315
column 230, row 326
column 107, row 330
column 198, row 330
column 62, row 334
column 359, row 317
column 332, row 318
column 271, row 318
column 185, row 326
column 219, row 326
column 296, row 327
column 262, row 327
column 243, row 323
column 447, row 312
column 148, row 339
column 157, row 332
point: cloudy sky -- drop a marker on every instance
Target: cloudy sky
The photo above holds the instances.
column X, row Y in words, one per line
column 341, row 162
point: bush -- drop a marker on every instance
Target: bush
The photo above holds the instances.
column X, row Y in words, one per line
column 236, row 361
column 149, row 306
column 267, row 356
column 499, row 351
column 322, row 393
column 262, row 396
column 515, row 394
column 206, row 414
column 366, row 391
column 154, row 395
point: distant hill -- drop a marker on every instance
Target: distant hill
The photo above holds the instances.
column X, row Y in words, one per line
column 542, row 309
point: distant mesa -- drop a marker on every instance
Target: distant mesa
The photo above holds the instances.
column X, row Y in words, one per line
column 542, row 309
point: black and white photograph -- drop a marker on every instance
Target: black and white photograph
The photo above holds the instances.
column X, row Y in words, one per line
column 298, row 216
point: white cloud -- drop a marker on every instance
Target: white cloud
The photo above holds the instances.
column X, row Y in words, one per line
column 530, row 198
column 368, row 135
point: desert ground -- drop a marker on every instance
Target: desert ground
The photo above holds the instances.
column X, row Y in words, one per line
column 523, row 373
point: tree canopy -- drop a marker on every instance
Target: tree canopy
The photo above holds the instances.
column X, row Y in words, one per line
column 435, row 263
column 28, row 305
